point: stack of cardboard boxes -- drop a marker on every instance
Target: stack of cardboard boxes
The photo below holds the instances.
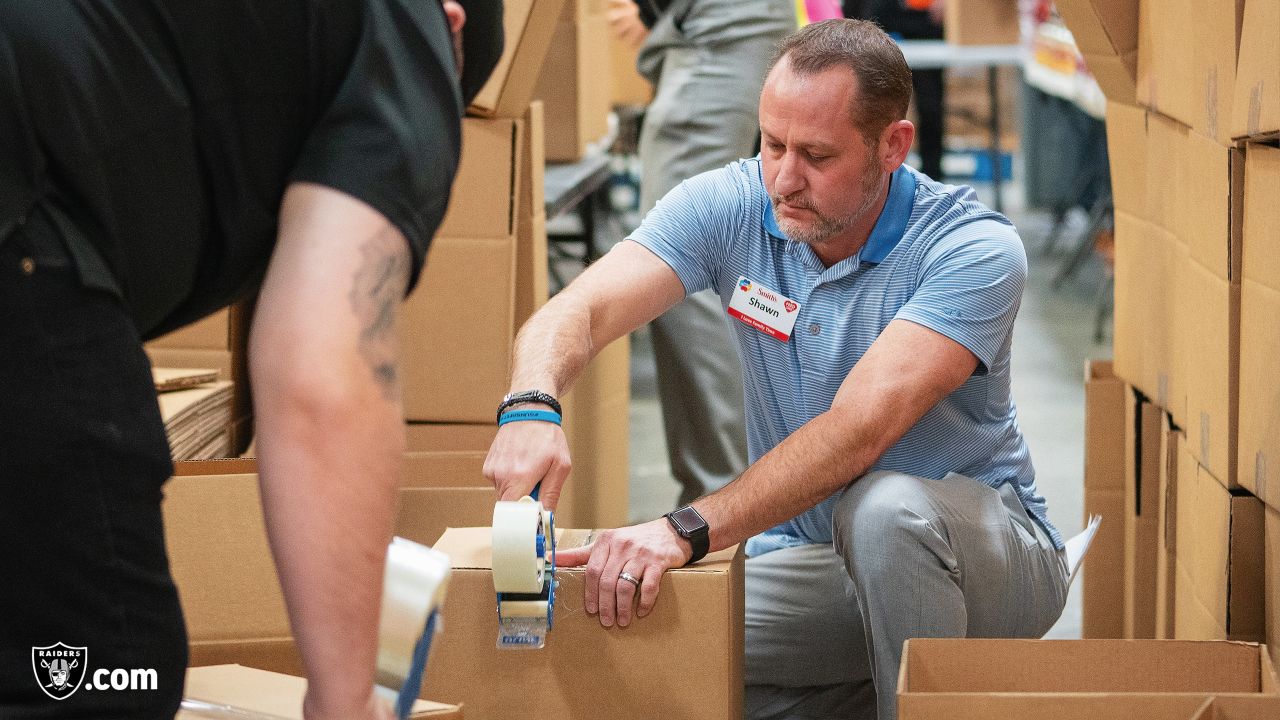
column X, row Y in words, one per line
column 1184, row 553
column 575, row 82
column 1180, row 428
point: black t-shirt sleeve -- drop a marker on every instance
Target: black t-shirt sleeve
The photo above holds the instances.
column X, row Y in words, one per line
column 392, row 134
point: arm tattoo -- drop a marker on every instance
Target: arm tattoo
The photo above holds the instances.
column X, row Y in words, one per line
column 378, row 287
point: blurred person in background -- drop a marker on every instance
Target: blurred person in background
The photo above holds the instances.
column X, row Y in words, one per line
column 706, row 60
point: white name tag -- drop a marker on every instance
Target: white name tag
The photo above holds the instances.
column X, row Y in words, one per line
column 763, row 309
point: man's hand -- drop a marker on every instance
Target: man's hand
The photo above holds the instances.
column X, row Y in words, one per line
column 527, row 453
column 625, row 23
column 645, row 551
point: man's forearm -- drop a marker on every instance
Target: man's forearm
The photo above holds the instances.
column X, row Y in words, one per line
column 821, row 457
column 553, row 347
column 324, row 359
column 329, row 479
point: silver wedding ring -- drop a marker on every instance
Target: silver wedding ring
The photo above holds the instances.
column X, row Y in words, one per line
column 629, row 578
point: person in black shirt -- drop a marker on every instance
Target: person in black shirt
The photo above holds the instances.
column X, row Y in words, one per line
column 159, row 160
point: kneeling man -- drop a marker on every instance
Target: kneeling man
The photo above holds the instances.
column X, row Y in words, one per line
column 890, row 494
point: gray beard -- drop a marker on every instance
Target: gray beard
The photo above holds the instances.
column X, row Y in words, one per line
column 824, row 228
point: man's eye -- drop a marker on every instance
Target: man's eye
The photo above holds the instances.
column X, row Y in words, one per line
column 817, row 158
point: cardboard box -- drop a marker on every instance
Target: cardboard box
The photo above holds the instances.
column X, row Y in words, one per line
column 1187, row 62
column 1271, row 580
column 597, row 487
column 1219, row 561
column 1210, row 227
column 1255, row 107
column 598, row 424
column 628, row 86
column 1167, row 143
column 528, row 26
column 457, row 331
column 223, row 568
column 435, row 437
column 574, row 84
column 1142, row 519
column 531, row 222
column 1211, row 323
column 442, row 489
column 258, row 694
column 488, row 184
column 982, row 22
column 1127, row 152
column 1172, row 448
column 1211, row 297
column 1105, row 433
column 1151, row 254
column 1106, row 33
column 222, row 564
column 951, row 678
column 585, row 670
column 1259, row 432
column 211, row 333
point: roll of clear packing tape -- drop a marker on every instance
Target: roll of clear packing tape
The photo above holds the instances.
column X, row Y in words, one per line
column 518, row 567
column 414, row 586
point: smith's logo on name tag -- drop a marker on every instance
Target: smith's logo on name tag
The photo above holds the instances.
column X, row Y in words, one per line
column 763, row 309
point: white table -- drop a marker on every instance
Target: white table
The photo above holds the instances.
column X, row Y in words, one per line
column 938, row 54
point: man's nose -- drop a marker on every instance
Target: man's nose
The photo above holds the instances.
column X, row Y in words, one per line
column 790, row 178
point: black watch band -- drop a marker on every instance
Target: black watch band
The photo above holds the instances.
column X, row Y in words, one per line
column 690, row 525
column 529, row 396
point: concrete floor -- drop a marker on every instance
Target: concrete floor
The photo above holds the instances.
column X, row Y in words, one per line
column 1053, row 337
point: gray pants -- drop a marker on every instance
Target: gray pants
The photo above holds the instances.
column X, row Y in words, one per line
column 707, row 60
column 912, row 557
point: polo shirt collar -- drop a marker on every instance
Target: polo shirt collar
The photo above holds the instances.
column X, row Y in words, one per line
column 890, row 226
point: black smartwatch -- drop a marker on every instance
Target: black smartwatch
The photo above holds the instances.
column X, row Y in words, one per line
column 529, row 396
column 689, row 524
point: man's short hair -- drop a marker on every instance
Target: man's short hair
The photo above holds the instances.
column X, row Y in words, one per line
column 884, row 80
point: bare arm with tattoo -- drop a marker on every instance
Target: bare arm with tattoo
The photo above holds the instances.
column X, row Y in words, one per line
column 324, row 364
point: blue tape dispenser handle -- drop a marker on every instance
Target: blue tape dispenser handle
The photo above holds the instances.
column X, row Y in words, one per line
column 412, row 686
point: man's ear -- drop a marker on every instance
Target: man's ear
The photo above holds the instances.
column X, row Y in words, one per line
column 895, row 143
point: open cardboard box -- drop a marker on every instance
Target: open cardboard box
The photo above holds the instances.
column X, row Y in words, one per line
column 234, row 691
column 968, row 679
column 222, row 564
column 682, row 661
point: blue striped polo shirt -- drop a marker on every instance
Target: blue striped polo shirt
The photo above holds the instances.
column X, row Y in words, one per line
column 936, row 257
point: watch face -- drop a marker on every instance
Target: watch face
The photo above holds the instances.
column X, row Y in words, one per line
column 688, row 521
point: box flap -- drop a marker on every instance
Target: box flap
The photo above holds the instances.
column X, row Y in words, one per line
column 957, row 665
column 220, row 559
column 528, row 26
column 258, row 693
column 1256, row 100
column 1107, row 27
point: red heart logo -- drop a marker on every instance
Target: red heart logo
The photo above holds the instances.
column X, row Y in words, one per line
column 790, row 305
